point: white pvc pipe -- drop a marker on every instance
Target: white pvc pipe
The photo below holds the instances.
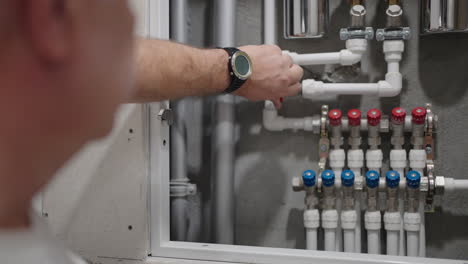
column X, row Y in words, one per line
column 392, row 242
column 349, row 240
column 422, row 231
column 311, row 238
column 401, row 245
column 315, row 58
column 452, row 184
column 373, row 241
column 393, row 67
column 330, row 239
column 339, row 231
column 412, row 242
column 389, row 87
column 353, row 53
column 357, row 231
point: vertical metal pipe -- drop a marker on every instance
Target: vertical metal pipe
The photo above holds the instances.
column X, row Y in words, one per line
column 224, row 141
column 269, row 24
column 179, row 33
column 179, row 30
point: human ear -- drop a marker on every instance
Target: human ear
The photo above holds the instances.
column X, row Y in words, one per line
column 47, row 26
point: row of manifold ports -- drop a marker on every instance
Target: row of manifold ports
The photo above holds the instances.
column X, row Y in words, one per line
column 336, row 199
column 340, row 220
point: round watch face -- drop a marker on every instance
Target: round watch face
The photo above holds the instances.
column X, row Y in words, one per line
column 241, row 65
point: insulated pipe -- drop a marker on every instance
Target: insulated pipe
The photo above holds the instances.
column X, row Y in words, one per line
column 178, row 147
column 412, row 243
column 224, row 140
column 373, row 241
column 349, row 239
column 311, row 238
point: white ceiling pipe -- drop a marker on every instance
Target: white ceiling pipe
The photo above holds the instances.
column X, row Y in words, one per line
column 355, row 48
column 390, row 87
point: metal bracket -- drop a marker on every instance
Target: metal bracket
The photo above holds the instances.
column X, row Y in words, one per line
column 182, row 188
column 324, row 143
column 403, row 33
column 357, row 33
column 166, row 115
column 430, row 153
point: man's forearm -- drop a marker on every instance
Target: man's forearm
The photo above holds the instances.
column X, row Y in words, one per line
column 167, row 70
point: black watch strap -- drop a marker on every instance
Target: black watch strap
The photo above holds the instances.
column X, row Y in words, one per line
column 236, row 83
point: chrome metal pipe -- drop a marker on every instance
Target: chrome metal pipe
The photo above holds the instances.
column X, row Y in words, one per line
column 305, row 18
column 443, row 16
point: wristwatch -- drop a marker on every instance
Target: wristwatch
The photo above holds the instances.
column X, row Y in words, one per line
column 240, row 68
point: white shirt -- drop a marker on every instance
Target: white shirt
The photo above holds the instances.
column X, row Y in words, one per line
column 35, row 245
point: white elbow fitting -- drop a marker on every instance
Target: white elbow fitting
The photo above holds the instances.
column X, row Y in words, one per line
column 348, row 57
column 355, row 48
column 312, row 89
column 392, row 85
column 270, row 120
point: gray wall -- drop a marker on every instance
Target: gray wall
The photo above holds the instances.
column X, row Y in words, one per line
column 435, row 69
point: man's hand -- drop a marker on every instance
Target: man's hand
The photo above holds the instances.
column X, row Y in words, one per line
column 274, row 75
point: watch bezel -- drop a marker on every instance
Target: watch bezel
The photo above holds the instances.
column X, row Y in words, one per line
column 235, row 56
